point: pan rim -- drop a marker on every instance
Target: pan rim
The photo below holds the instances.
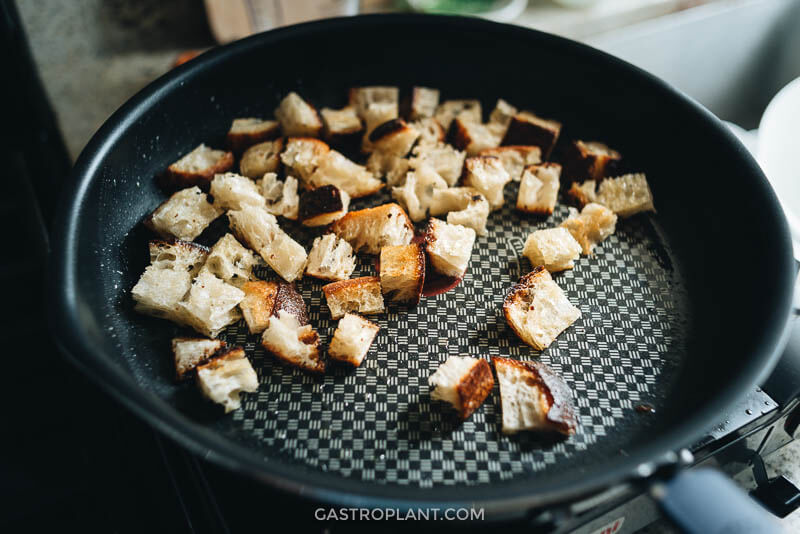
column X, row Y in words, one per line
column 501, row 499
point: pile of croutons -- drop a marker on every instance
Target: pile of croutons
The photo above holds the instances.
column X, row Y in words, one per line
column 443, row 165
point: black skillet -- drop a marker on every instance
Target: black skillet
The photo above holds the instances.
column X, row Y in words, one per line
column 684, row 310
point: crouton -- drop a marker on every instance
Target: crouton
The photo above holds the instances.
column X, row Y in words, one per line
column 298, row 118
column 361, row 295
column 553, row 248
column 462, row 382
column 538, row 189
column 592, row 226
column 430, row 131
column 293, row 343
column 394, row 137
column 467, row 110
column 463, row 205
column 525, row 128
column 371, row 229
column 261, row 158
column 323, row 205
column 331, row 258
column 583, row 193
column 362, row 97
column 416, row 193
column 424, row 102
column 447, row 161
column 190, row 352
column 589, row 160
column 303, row 155
column 393, row 167
column 402, row 272
column 245, row 133
column 259, row 230
column 537, row 310
column 226, row 376
column 280, row 197
column 210, row 305
column 184, row 215
column 342, row 127
column 376, row 114
column 230, row 261
column 625, row 195
column 350, row 177
column 258, row 304
column 534, row 397
column 471, row 137
column 158, row 292
column 232, row 191
column 515, row 158
column 449, row 247
column 198, row 167
column 501, row 116
column 177, row 255
column 487, row 175
column 352, row 339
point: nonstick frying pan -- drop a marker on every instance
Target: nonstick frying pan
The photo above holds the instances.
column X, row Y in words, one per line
column 683, row 310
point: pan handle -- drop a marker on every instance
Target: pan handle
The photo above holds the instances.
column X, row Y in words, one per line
column 705, row 501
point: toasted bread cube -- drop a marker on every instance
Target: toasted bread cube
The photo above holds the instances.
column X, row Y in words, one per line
column 376, row 114
column 258, row 304
column 260, row 231
column 230, row 261
column 589, row 160
column 534, row 397
column 177, row 255
column 198, row 167
column 583, row 193
column 342, row 127
column 190, row 352
column 331, row 258
column 430, row 131
column 159, row 291
column 471, row 137
column 592, row 226
column 449, row 247
column 515, row 158
column 280, row 197
column 348, row 176
column 416, row 194
column 231, row 191
column 371, row 229
column 553, row 248
column 261, row 158
column 362, row 97
column 447, row 161
column 402, row 272
column 352, row 339
column 361, row 295
column 487, row 175
column 537, row 310
column 298, row 118
column 467, row 110
column 393, row 167
column 323, row 205
column 245, row 133
column 226, row 376
column 184, row 215
column 463, row 205
column 210, row 305
column 526, row 128
column 626, row 195
column 303, row 155
column 501, row 115
column 293, row 343
column 538, row 189
column 394, row 137
column 424, row 102
column 462, row 382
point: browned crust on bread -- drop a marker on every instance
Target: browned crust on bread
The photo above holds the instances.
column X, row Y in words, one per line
column 291, row 301
column 388, row 128
column 560, row 409
column 219, row 357
column 173, row 242
column 353, row 283
column 516, row 293
column 582, row 163
column 577, row 194
column 323, row 200
column 378, row 211
column 265, row 292
column 475, row 387
column 524, row 131
column 416, row 257
column 458, row 134
column 188, row 373
column 535, row 211
column 238, row 142
column 308, row 338
column 175, row 178
column 494, row 151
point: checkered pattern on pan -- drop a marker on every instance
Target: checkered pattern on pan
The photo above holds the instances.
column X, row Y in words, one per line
column 378, row 423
